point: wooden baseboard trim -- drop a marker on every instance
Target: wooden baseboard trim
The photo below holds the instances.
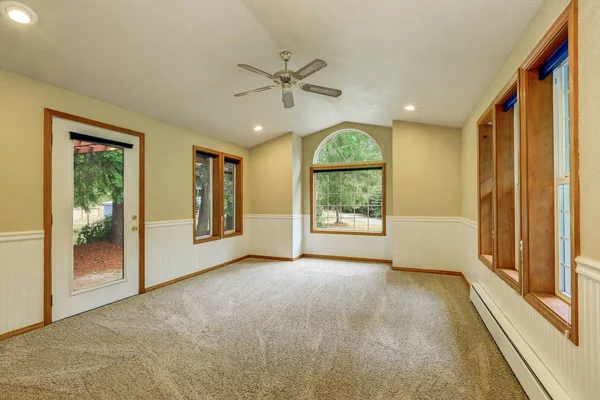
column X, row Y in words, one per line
column 434, row 271
column 298, row 257
column 344, row 258
column 182, row 278
column 427, row 271
column 273, row 258
column 21, row 330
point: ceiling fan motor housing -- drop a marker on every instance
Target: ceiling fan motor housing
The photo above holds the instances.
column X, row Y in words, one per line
column 285, row 76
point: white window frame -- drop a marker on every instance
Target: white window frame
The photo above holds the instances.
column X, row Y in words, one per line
column 562, row 175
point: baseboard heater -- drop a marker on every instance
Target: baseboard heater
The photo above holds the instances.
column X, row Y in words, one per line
column 537, row 381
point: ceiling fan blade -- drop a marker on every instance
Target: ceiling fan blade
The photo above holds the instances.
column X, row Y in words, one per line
column 256, row 71
column 307, row 87
column 288, row 99
column 262, row 89
column 310, row 69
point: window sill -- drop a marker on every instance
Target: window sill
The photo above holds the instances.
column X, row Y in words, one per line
column 553, row 308
column 319, row 231
column 233, row 234
column 207, row 239
column 488, row 260
column 510, row 276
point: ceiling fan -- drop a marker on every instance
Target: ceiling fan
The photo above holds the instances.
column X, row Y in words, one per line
column 287, row 80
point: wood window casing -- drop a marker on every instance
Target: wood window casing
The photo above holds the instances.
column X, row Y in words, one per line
column 215, row 233
column 536, row 109
column 347, row 167
column 506, row 205
column 485, row 178
column 218, row 195
column 238, row 197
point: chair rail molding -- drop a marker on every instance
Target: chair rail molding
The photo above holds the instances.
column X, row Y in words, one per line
column 588, row 267
column 164, row 224
column 21, row 236
column 273, row 216
column 398, row 218
column 469, row 223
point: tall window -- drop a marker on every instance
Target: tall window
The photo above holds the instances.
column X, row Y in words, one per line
column 517, row 138
column 562, row 183
column 232, row 195
column 229, row 204
column 348, row 185
column 217, row 195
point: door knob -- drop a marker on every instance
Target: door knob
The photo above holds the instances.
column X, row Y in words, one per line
column 135, row 228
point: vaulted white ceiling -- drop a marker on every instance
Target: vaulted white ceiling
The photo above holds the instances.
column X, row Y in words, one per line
column 176, row 60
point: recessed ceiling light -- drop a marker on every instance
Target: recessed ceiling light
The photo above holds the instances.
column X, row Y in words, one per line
column 258, row 128
column 409, row 108
column 18, row 12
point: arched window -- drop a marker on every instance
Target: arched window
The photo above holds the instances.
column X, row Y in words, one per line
column 348, row 185
column 347, row 145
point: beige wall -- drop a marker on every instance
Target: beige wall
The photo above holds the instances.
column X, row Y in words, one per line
column 427, row 169
column 381, row 134
column 589, row 126
column 271, row 177
column 168, row 152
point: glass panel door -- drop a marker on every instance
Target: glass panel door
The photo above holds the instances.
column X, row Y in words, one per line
column 97, row 214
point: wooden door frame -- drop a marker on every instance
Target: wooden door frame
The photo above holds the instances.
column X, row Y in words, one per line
column 48, row 115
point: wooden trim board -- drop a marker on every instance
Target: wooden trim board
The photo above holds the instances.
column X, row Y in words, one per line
column 427, row 271
column 433, row 271
column 20, row 331
column 344, row 258
column 274, row 258
column 182, row 278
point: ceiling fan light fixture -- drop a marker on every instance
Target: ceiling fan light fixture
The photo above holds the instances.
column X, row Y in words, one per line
column 409, row 107
column 18, row 12
column 288, row 80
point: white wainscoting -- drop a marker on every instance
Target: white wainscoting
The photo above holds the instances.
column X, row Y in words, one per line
column 298, row 240
column 347, row 245
column 171, row 252
column 271, row 234
column 428, row 242
column 575, row 368
column 21, row 279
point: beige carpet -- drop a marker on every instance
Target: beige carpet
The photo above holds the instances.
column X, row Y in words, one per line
column 257, row 329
